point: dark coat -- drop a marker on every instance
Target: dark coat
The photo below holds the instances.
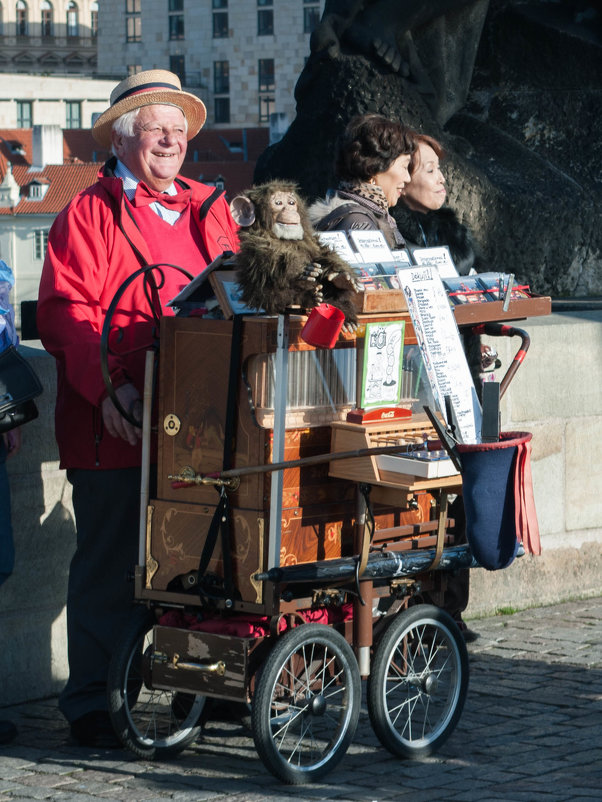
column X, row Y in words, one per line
column 441, row 227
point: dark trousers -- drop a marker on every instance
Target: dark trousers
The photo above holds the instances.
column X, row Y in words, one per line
column 100, row 590
column 7, row 548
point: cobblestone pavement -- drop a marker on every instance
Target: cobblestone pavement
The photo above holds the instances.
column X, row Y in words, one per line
column 531, row 730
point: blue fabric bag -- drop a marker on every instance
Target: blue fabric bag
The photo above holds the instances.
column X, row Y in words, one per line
column 498, row 499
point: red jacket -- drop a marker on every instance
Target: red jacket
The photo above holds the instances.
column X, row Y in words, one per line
column 88, row 259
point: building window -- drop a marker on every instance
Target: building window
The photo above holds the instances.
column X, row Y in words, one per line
column 134, row 68
column 220, row 19
column 94, row 20
column 266, row 107
column 266, row 75
column 22, row 18
column 221, row 109
column 36, row 191
column 47, row 20
column 311, row 15
column 221, row 77
column 265, row 18
column 40, row 243
column 72, row 20
column 177, row 64
column 221, row 86
column 266, row 86
column 1, row 21
column 176, row 19
column 74, row 114
column 24, row 114
column 133, row 21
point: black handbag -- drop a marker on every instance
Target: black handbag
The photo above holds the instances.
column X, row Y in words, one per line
column 19, row 385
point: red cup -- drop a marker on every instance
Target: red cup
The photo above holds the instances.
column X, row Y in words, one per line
column 323, row 326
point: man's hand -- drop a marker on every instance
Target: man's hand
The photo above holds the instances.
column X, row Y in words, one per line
column 116, row 424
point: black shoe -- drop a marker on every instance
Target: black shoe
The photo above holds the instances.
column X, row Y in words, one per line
column 8, row 732
column 469, row 635
column 95, row 729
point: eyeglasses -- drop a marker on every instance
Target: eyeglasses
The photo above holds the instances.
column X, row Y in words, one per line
column 157, row 131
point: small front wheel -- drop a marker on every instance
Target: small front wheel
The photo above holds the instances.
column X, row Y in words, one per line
column 418, row 682
column 306, row 703
column 152, row 723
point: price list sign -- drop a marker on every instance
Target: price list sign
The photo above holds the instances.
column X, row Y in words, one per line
column 441, row 349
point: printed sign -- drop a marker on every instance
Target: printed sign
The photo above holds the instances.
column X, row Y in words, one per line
column 436, row 257
column 371, row 246
column 337, row 241
column 443, row 356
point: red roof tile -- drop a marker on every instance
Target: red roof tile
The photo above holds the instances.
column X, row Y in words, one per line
column 64, row 180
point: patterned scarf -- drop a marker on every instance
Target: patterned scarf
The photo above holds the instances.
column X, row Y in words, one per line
column 373, row 198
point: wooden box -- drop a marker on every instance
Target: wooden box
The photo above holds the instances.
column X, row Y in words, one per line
column 355, row 436
column 201, row 662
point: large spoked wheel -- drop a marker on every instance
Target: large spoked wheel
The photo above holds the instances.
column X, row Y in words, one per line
column 152, row 723
column 418, row 682
column 306, row 703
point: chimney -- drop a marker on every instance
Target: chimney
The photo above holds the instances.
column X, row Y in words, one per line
column 47, row 146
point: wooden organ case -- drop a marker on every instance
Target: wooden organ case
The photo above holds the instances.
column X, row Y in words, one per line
column 317, row 505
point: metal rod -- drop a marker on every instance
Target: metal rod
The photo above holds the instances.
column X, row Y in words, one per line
column 280, row 396
column 317, row 459
column 147, row 402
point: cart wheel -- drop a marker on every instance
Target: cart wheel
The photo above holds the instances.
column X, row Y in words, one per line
column 306, row 704
column 418, row 682
column 150, row 722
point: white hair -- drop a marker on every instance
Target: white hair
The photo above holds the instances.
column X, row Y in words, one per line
column 124, row 125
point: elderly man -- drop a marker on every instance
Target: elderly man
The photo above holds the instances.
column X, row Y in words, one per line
column 139, row 212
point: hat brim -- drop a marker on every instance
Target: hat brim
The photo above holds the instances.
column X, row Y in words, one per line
column 193, row 108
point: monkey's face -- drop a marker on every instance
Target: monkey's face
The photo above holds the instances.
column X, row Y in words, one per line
column 286, row 217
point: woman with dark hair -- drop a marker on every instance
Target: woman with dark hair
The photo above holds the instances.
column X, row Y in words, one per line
column 425, row 221
column 372, row 163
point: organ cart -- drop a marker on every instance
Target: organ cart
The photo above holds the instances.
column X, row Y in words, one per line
column 284, row 556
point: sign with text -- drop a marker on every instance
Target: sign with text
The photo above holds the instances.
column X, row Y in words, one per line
column 371, row 246
column 337, row 241
column 441, row 347
column 439, row 257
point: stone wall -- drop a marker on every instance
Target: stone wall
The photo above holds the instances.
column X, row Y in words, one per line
column 555, row 394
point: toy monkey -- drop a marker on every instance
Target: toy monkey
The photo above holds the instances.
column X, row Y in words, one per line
column 281, row 262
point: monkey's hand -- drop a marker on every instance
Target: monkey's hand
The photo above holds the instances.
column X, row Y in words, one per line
column 318, row 295
column 349, row 327
column 345, row 281
column 312, row 272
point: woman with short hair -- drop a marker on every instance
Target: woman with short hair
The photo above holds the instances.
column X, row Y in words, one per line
column 372, row 161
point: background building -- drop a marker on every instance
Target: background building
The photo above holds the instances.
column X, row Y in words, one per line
column 243, row 57
column 68, row 101
column 48, row 36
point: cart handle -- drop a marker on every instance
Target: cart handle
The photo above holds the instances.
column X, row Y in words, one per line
column 503, row 330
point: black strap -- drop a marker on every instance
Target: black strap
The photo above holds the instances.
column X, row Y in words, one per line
column 220, row 523
column 208, row 202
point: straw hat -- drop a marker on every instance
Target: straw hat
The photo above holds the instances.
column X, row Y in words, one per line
column 144, row 89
